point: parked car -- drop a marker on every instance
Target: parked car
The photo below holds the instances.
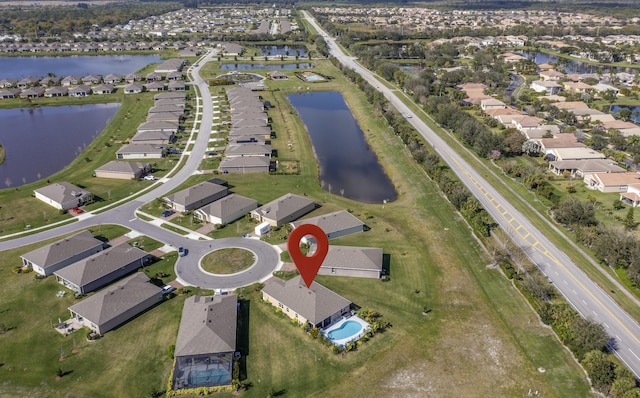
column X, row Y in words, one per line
column 150, row 178
column 166, row 289
column 76, row 210
column 182, row 251
column 174, row 151
column 167, row 213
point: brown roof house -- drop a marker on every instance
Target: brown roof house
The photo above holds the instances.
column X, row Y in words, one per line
column 334, row 225
column 245, row 164
column 360, row 262
column 63, row 195
column 206, row 342
column 123, row 170
column 196, row 196
column 50, row 258
column 226, row 210
column 316, row 306
column 116, row 304
column 283, row 210
column 102, row 268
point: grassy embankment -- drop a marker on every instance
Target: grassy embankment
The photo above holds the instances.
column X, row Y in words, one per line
column 479, row 338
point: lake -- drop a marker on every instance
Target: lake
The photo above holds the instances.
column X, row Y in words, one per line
column 348, row 167
column 265, row 66
column 81, row 65
column 42, row 141
column 283, row 50
column 570, row 65
column 635, row 115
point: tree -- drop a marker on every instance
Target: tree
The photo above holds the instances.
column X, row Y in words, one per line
column 600, row 370
column 624, row 384
column 588, row 335
column 629, row 222
column 573, row 211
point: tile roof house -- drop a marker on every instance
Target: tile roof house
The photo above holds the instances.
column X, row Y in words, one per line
column 545, row 86
column 196, row 196
column 116, row 304
column 317, row 306
column 63, row 195
column 10, row 93
column 206, row 341
column 283, row 210
column 248, row 149
column 79, row 91
column 32, row 92
column 334, row 225
column 153, row 137
column 133, row 88
column 123, row 170
column 102, row 268
column 611, row 182
column 56, row 91
column 106, row 88
column 360, row 262
column 161, row 125
column 581, row 168
column 226, row 210
column 50, row 258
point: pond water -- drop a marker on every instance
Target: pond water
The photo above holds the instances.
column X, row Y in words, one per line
column 283, row 50
column 570, row 65
column 348, row 166
column 635, row 111
column 42, row 141
column 81, row 65
column 265, row 66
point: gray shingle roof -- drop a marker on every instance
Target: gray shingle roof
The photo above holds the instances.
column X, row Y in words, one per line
column 352, row 257
column 62, row 192
column 100, row 264
column 230, row 204
column 208, row 325
column 63, row 249
column 332, row 222
column 315, row 304
column 116, row 299
column 283, row 206
column 123, row 167
column 196, row 193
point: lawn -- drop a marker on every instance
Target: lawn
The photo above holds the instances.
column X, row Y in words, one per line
column 227, row 261
column 480, row 337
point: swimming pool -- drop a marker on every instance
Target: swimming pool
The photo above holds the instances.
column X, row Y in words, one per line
column 209, row 377
column 346, row 330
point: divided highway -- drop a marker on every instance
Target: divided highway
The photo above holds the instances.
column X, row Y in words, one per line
column 583, row 294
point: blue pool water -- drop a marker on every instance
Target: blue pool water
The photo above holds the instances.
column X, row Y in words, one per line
column 347, row 329
column 209, row 377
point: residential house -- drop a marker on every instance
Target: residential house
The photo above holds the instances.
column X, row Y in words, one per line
column 245, row 164
column 177, row 86
column 611, row 182
column 166, row 108
column 577, row 87
column 56, row 91
column 92, row 79
column 63, row 195
column 632, row 196
column 175, row 75
column 123, row 170
column 154, row 77
column 196, row 196
column 283, row 210
column 10, row 93
column 277, row 75
column 544, row 86
column 492, row 103
column 316, row 306
column 71, row 80
column 523, row 123
column 154, row 137
column 248, row 149
column 32, row 92
column 50, row 81
column 576, row 153
column 602, row 87
column 28, row 82
column 133, row 88
column 559, row 141
column 132, row 78
column 161, row 126
column 580, row 168
column 551, row 75
column 47, row 259
column 8, row 82
column 174, row 117
column 360, row 262
column 141, row 151
column 206, row 342
column 334, row 225
column 79, row 91
column 107, row 88
column 173, row 96
column 154, row 86
column 102, row 268
column 226, row 210
column 116, row 304
column 112, row 78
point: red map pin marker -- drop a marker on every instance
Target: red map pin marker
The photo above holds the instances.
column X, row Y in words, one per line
column 308, row 266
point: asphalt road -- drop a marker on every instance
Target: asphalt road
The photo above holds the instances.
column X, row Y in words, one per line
column 583, row 294
column 124, row 213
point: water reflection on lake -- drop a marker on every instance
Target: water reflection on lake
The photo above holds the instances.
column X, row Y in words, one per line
column 570, row 65
column 265, row 66
column 81, row 65
column 348, row 166
column 42, row 141
column 635, row 111
column 283, row 50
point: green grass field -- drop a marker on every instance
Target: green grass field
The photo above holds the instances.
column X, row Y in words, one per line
column 480, row 337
